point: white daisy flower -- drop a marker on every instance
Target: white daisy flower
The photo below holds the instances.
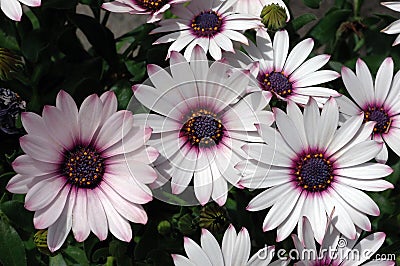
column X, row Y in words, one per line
column 254, row 7
column 380, row 103
column 13, row 9
column 208, row 23
column 393, row 28
column 235, row 250
column 287, row 75
column 336, row 249
column 153, row 8
column 199, row 124
column 75, row 173
column 309, row 166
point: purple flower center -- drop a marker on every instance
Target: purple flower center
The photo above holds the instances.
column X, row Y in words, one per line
column 203, row 128
column 151, row 5
column 380, row 116
column 276, row 82
column 83, row 167
column 314, row 172
column 207, row 24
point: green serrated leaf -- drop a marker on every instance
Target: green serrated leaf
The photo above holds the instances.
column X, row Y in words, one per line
column 303, row 20
column 12, row 251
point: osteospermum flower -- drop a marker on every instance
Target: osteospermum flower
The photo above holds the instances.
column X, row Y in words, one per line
column 13, row 9
column 198, row 123
column 235, row 250
column 153, row 8
column 84, row 170
column 309, row 166
column 287, row 76
column 393, row 28
column 210, row 24
column 380, row 103
column 336, row 249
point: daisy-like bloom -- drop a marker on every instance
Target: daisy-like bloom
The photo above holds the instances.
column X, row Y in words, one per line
column 287, row 75
column 393, row 28
column 13, row 9
column 84, row 170
column 254, row 7
column 210, row 24
column 198, row 123
column 380, row 103
column 337, row 249
column 309, row 167
column 153, row 8
column 235, row 250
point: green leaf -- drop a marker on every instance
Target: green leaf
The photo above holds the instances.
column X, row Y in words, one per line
column 57, row 260
column 124, row 93
column 301, row 21
column 326, row 28
column 17, row 213
column 312, row 3
column 137, row 69
column 76, row 255
column 12, row 251
column 33, row 43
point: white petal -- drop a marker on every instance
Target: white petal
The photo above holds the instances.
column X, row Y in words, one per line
column 383, row 80
column 211, row 248
column 195, row 253
column 298, row 54
column 359, row 153
column 281, row 47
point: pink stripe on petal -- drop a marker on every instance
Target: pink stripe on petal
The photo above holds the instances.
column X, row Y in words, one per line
column 43, row 193
column 97, row 219
column 41, row 149
column 80, row 223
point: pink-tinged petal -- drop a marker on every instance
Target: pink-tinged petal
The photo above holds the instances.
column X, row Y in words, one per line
column 34, row 124
column 347, row 106
column 241, row 251
column 288, row 130
column 41, row 149
column 345, row 133
column 358, row 199
column 97, row 219
column 312, row 119
column 118, row 225
column 220, row 187
column 354, row 86
column 130, row 211
column 392, row 139
column 358, row 154
column 117, row 7
column 32, row 3
column 274, row 139
column 228, row 245
column 310, row 66
column 365, row 78
column 268, row 197
column 43, row 193
column 298, row 55
column 60, row 126
column 215, row 50
column 365, row 171
column 160, row 78
column 196, row 253
column 67, row 105
column 128, row 188
column 344, row 222
column 110, row 104
column 287, row 226
column 383, row 155
column 146, row 155
column 12, row 9
column 295, row 114
column 89, row 117
column 132, row 141
column 211, row 247
column 25, row 165
column 80, row 224
column 317, row 77
column 203, row 184
column 186, row 86
column 157, row 123
column 265, row 154
column 366, row 248
column 140, row 172
column 180, row 260
column 58, row 232
column 47, row 216
column 383, row 80
column 281, row 209
column 368, row 185
column 21, row 184
column 113, row 130
column 328, row 124
column 281, row 48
